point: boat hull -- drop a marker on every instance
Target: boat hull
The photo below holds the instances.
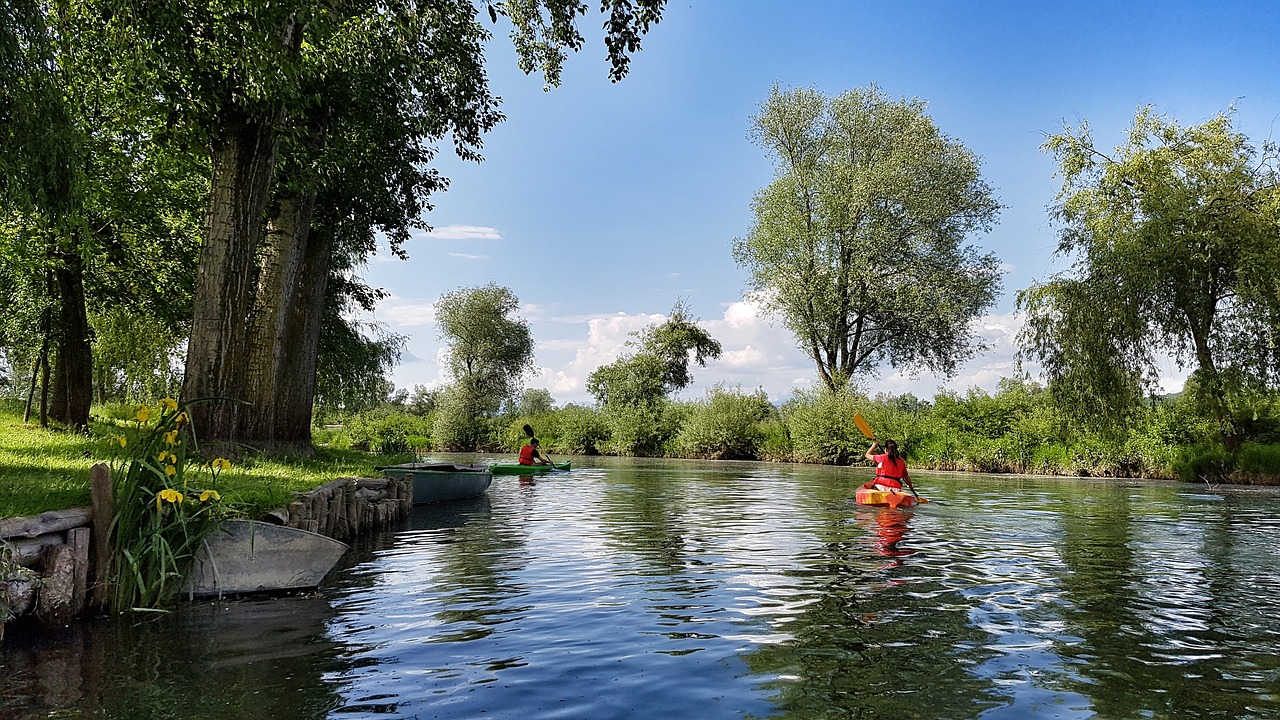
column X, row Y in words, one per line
column 514, row 469
column 870, row 496
column 248, row 556
column 440, row 482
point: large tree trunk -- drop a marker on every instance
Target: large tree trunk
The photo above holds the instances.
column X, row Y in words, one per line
column 215, row 374
column 279, row 284
column 73, row 376
column 295, row 390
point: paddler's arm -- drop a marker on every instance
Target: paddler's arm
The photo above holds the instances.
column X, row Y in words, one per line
column 874, row 443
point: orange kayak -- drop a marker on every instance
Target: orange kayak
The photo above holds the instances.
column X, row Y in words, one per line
column 867, row 495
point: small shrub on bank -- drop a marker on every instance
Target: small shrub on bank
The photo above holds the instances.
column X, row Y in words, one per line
column 1201, row 463
column 821, row 428
column 725, row 426
column 1258, row 461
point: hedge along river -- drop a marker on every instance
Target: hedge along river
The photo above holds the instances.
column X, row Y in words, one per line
column 677, row 589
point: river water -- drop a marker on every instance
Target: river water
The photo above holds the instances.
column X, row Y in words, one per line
column 668, row 589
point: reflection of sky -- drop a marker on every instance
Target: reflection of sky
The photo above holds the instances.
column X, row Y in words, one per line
column 712, row 595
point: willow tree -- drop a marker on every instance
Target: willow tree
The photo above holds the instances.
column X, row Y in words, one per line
column 489, row 350
column 858, row 244
column 1175, row 242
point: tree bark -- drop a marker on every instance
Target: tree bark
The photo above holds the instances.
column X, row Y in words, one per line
column 73, row 376
column 296, row 389
column 279, row 285
column 215, row 374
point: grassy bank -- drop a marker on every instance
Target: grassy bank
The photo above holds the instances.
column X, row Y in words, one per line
column 43, row 470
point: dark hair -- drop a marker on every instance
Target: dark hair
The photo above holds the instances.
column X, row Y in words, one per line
column 533, row 441
column 891, row 447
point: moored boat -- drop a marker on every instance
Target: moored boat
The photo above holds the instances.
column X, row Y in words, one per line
column 868, row 495
column 437, row 482
column 516, row 469
column 248, row 556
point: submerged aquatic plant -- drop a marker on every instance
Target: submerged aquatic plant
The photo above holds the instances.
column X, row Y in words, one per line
column 166, row 504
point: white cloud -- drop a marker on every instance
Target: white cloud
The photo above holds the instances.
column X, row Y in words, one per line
column 462, row 232
column 468, row 256
column 404, row 314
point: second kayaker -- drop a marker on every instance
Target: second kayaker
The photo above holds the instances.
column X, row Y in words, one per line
column 891, row 468
column 529, row 454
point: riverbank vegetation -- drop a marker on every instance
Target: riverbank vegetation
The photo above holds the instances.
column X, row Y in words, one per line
column 42, row 469
column 1017, row 429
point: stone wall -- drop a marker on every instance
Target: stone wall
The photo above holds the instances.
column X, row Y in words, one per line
column 49, row 563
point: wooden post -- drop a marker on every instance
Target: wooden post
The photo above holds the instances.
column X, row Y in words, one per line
column 103, row 512
column 78, row 539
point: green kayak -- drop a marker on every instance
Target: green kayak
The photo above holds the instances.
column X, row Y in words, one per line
column 514, row 469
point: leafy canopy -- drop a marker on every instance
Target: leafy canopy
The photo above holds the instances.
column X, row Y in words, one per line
column 858, row 243
column 1175, row 241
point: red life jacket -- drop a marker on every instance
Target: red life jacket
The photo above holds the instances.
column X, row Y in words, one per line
column 526, row 455
column 889, row 472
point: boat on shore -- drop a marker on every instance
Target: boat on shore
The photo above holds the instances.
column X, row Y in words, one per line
column 516, row 469
column 249, row 556
column 438, row 482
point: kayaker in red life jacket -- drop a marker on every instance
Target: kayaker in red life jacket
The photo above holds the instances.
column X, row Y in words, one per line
column 529, row 454
column 891, row 469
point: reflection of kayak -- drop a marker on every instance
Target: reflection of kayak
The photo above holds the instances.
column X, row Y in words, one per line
column 866, row 495
column 515, row 469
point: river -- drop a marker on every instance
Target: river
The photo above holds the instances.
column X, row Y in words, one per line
column 676, row 589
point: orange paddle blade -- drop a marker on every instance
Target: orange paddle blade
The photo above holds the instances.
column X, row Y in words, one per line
column 861, row 422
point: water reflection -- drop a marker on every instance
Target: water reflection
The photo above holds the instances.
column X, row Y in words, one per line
column 246, row 659
column 687, row 590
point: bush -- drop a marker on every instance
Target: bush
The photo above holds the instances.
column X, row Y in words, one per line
column 1259, row 463
column 1201, row 463
column 579, row 430
column 821, row 428
column 725, row 426
column 387, row 431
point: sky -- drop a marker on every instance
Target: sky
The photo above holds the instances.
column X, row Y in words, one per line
column 600, row 204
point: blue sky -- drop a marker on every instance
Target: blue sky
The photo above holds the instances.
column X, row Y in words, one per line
column 600, row 204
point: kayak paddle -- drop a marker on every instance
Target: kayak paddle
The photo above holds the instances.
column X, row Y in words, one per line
column 528, row 430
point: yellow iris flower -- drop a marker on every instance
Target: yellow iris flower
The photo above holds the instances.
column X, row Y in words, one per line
column 221, row 464
column 144, row 412
column 168, row 495
column 208, row 495
column 169, row 404
column 170, row 470
column 122, row 440
column 171, row 437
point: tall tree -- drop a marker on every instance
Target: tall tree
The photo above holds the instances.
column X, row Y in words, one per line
column 240, row 78
column 858, row 243
column 1175, row 241
column 490, row 351
column 660, row 364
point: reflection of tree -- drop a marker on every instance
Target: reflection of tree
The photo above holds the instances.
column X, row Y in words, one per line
column 474, row 561
column 875, row 638
column 248, row 659
column 1155, row 613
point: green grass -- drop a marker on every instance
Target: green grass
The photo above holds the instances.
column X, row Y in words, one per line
column 43, row 470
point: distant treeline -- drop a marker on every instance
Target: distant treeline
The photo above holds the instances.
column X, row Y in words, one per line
column 1017, row 429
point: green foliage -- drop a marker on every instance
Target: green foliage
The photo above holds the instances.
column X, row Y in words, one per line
column 387, row 431
column 533, row 401
column 821, row 427
column 579, row 431
column 660, row 364
column 857, row 244
column 1203, row 463
column 726, row 425
column 163, row 507
column 1175, row 251
column 1257, row 460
